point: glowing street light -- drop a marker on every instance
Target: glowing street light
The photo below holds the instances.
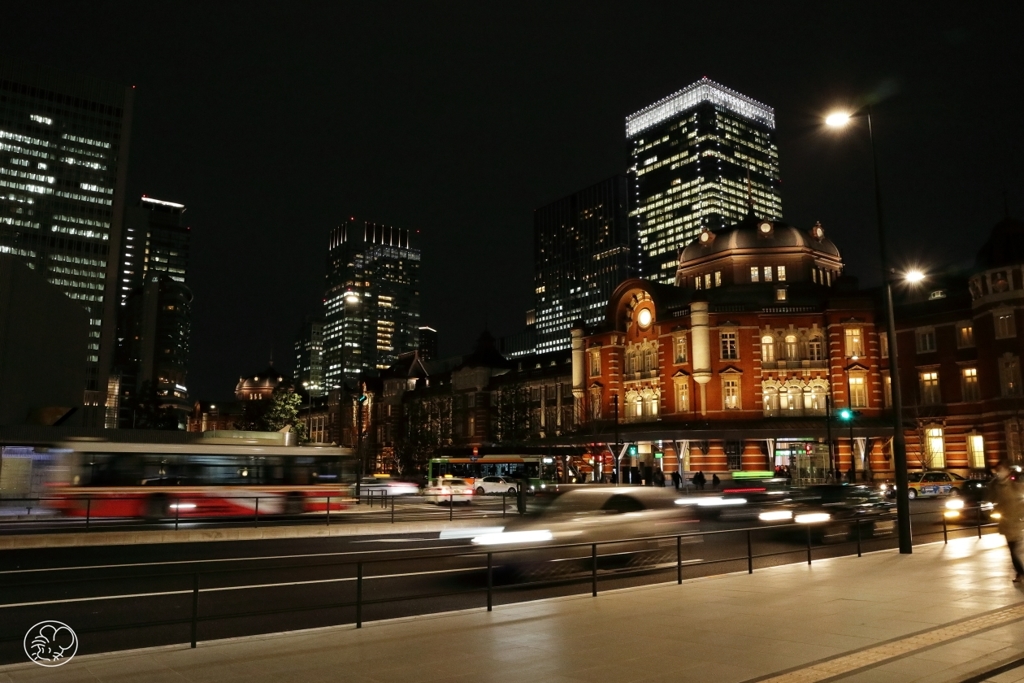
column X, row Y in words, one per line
column 837, row 119
column 913, row 276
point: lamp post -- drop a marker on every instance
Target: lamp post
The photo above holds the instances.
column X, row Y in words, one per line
column 899, row 441
column 849, row 402
column 309, row 412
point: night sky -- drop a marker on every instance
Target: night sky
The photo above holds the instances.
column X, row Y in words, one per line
column 272, row 121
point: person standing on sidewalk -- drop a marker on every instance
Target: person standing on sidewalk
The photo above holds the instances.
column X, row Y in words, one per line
column 1006, row 494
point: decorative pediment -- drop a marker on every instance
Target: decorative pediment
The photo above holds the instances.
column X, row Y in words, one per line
column 731, row 370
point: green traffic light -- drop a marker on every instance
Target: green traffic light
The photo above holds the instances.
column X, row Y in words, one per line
column 845, row 414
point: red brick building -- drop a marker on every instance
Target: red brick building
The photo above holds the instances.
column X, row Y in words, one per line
column 961, row 337
column 740, row 364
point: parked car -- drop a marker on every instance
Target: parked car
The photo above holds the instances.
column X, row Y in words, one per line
column 497, row 485
column 928, row 484
column 448, row 490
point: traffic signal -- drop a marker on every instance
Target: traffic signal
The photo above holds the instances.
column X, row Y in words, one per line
column 845, row 414
column 632, row 449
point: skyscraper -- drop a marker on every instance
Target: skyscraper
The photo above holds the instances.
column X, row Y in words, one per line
column 581, row 254
column 63, row 162
column 699, row 159
column 309, row 356
column 372, row 302
column 156, row 310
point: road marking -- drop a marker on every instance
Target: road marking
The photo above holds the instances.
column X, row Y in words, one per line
column 238, row 588
column 897, row 648
column 228, row 559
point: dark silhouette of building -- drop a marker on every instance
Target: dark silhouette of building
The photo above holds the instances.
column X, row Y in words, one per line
column 581, row 254
column 309, row 356
column 63, row 168
column 428, row 343
column 372, row 302
column 155, row 312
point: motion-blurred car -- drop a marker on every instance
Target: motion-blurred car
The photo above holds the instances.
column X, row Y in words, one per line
column 835, row 512
column 595, row 514
column 745, row 499
column 497, row 485
column 970, row 505
column 448, row 491
column 928, row 485
column 392, row 486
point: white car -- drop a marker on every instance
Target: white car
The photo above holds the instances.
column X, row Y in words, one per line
column 392, row 486
column 496, row 485
column 448, row 491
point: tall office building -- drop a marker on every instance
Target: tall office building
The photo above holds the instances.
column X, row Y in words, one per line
column 63, row 163
column 372, row 303
column 581, row 254
column 428, row 343
column 309, row 356
column 156, row 310
column 699, row 159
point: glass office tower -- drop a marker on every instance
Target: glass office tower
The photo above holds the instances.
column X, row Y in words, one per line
column 699, row 159
column 581, row 254
column 309, row 356
column 63, row 162
column 372, row 302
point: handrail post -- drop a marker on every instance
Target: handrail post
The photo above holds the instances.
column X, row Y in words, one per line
column 979, row 520
column 328, row 510
column 858, row 537
column 256, row 514
column 503, row 504
column 392, row 509
column 945, row 534
column 88, row 510
column 359, row 595
column 451, row 505
column 593, row 570
column 808, row 544
column 679, row 560
column 490, row 582
column 750, row 554
column 195, row 607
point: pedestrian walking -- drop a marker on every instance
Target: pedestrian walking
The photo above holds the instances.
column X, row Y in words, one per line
column 676, row 479
column 715, row 481
column 1006, row 494
column 699, row 480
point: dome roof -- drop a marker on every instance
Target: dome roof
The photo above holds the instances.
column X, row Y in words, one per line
column 747, row 235
column 1005, row 245
column 267, row 381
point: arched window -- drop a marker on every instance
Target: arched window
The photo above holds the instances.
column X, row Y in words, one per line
column 595, row 403
column 651, row 399
column 792, row 399
column 792, row 347
column 770, row 397
column 767, row 349
column 814, row 398
column 632, row 361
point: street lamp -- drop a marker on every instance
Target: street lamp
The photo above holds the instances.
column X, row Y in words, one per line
column 309, row 412
column 850, row 414
column 899, row 441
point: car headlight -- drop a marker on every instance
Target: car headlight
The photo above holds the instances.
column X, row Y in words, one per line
column 955, row 504
column 883, row 487
column 775, row 515
column 987, row 505
column 996, row 515
column 812, row 518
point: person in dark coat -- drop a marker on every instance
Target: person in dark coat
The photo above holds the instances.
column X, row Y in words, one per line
column 1007, row 496
column 677, row 480
column 715, row 481
column 699, row 480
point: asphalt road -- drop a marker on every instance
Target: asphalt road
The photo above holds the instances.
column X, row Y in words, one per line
column 137, row 596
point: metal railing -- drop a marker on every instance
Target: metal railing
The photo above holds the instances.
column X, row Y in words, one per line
column 207, row 581
column 333, row 508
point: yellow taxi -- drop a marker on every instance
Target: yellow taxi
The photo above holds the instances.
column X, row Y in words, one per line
column 931, row 484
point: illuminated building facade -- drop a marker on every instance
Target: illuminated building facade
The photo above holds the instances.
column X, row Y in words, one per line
column 155, row 319
column 581, row 254
column 63, row 161
column 372, row 302
column 309, row 356
column 699, row 159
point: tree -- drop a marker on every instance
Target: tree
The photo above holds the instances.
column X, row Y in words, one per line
column 274, row 414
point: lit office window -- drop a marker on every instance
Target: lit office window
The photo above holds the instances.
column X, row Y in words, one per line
column 976, row 451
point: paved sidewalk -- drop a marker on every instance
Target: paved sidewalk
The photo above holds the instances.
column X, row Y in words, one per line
column 945, row 613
